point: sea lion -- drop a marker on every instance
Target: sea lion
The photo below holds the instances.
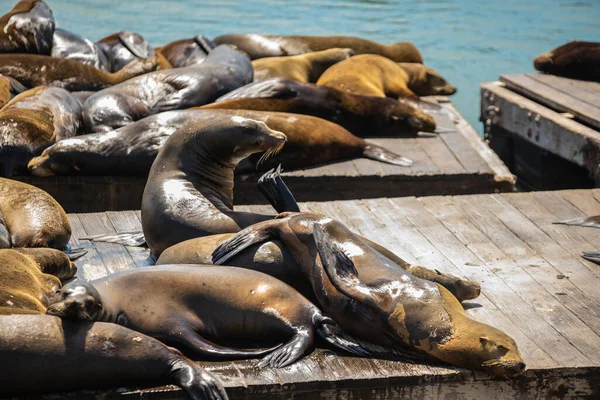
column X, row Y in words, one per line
column 9, row 88
column 215, row 312
column 591, row 221
column 576, row 59
column 303, row 68
column 373, row 75
column 259, row 46
column 70, row 45
column 29, row 278
column 361, row 115
column 131, row 149
column 186, row 52
column 32, row 217
column 34, row 70
column 123, row 47
column 223, row 70
column 189, row 191
column 34, row 120
column 91, row 356
column 375, row 301
column 27, row 28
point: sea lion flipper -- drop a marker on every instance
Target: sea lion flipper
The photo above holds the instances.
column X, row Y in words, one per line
column 289, row 352
column 245, row 238
column 592, row 222
column 274, row 189
column 205, row 43
column 136, row 44
column 198, row 384
column 593, row 256
column 378, row 153
column 132, row 239
column 75, row 252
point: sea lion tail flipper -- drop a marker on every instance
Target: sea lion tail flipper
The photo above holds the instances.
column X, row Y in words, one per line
column 128, row 238
column 378, row 153
column 593, row 256
column 593, row 221
column 196, row 381
column 205, row 43
column 257, row 233
column 290, row 352
column 75, row 252
column 274, row 189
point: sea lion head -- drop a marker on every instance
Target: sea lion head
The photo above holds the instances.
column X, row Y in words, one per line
column 78, row 301
column 49, row 164
column 404, row 52
column 417, row 120
column 425, row 81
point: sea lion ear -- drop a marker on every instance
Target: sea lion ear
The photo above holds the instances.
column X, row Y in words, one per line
column 136, row 44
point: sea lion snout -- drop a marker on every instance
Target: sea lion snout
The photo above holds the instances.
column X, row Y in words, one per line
column 542, row 61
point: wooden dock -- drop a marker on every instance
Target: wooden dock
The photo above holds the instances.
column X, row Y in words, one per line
column 454, row 162
column 545, row 128
column 534, row 285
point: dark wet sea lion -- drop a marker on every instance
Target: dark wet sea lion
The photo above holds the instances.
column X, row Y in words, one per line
column 375, row 301
column 34, row 120
column 88, row 356
column 373, row 75
column 214, row 312
column 189, row 191
column 361, row 115
column 32, row 217
column 132, row 149
column 259, row 46
column 34, row 70
column 186, row 52
column 27, row 28
column 29, row 278
column 70, row 45
column 576, row 59
column 302, row 68
column 223, row 70
column 123, row 47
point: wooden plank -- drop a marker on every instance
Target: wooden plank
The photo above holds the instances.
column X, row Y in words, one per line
column 583, row 90
column 127, row 221
column 548, row 94
column 503, row 296
column 442, row 156
column 541, row 126
column 90, row 266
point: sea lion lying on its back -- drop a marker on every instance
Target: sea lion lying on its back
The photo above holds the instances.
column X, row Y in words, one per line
column 27, row 28
column 122, row 48
column 302, row 68
column 388, row 310
column 223, row 70
column 29, row 279
column 31, row 217
column 34, row 120
column 259, row 46
column 361, row 115
column 34, row 70
column 373, row 75
column 576, row 59
column 132, row 149
column 43, row 354
column 70, row 45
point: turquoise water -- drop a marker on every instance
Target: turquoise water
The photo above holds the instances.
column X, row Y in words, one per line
column 467, row 41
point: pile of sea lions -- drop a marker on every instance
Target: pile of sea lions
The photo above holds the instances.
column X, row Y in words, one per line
column 227, row 284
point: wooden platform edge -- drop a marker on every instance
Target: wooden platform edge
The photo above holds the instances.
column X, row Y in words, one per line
column 540, row 125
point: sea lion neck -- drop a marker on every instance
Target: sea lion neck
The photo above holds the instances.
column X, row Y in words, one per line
column 107, row 313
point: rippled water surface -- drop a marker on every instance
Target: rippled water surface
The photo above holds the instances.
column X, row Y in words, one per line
column 468, row 41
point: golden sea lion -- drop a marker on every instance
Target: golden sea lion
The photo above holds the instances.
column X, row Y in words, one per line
column 373, row 75
column 259, row 46
column 306, row 67
column 32, row 218
column 29, row 278
column 27, row 28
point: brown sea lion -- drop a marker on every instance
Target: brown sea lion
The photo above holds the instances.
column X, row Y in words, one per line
column 303, row 68
column 375, row 301
column 29, row 278
column 34, row 70
column 9, row 88
column 27, row 28
column 89, row 356
column 576, row 59
column 361, row 115
column 189, row 191
column 373, row 75
column 132, row 149
column 34, row 120
column 123, row 47
column 70, row 45
column 186, row 52
column 215, row 312
column 224, row 70
column 32, row 217
column 259, row 46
